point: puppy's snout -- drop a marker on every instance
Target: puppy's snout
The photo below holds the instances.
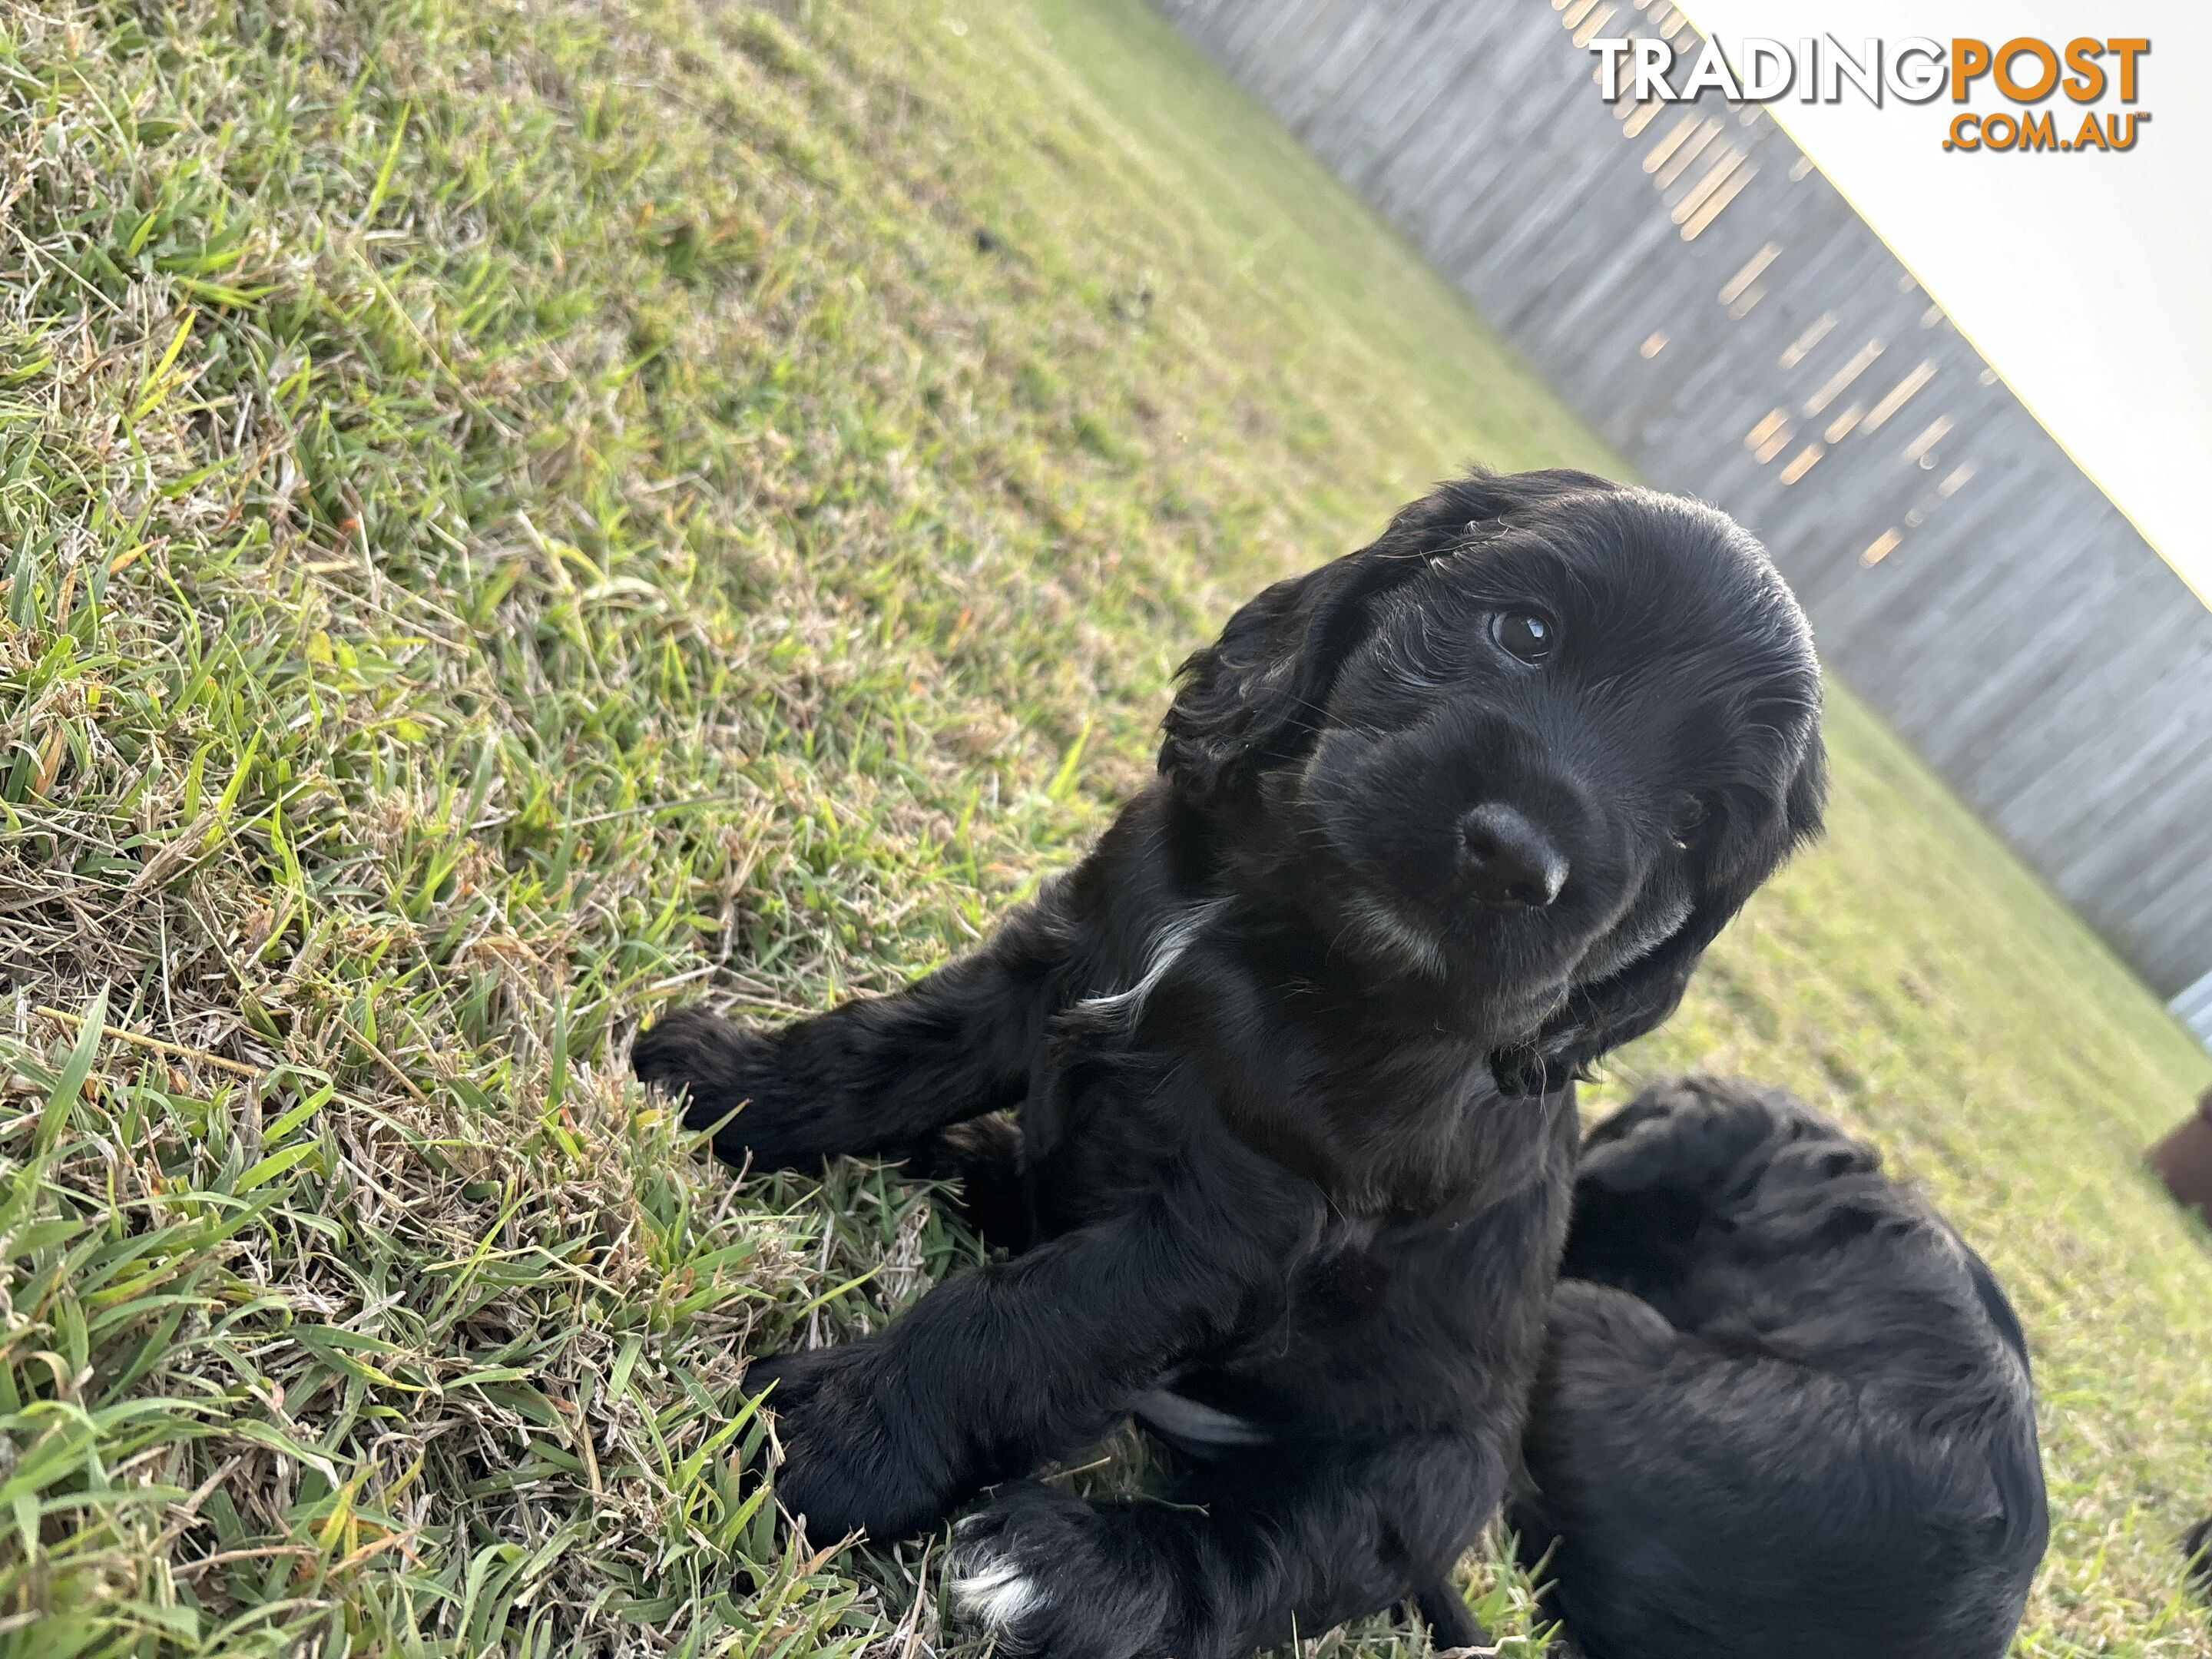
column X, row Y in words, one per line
column 1509, row 860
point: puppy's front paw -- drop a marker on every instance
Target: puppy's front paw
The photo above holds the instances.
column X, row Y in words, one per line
column 854, row 1460
column 1054, row 1576
column 721, row 1069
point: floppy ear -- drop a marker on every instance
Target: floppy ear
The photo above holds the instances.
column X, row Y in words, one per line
column 1623, row 1007
column 1253, row 699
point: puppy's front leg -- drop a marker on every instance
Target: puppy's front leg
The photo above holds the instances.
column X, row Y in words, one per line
column 995, row 1371
column 878, row 1074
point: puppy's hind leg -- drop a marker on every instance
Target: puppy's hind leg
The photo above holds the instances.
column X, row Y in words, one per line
column 1451, row 1625
column 983, row 1156
column 1260, row 1548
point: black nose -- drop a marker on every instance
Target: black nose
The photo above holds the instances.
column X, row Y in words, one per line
column 1509, row 860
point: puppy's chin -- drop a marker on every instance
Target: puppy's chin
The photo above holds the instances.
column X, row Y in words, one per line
column 1375, row 931
column 1633, row 938
column 1460, row 964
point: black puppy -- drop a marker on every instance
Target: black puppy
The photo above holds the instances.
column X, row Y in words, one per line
column 1783, row 1408
column 1437, row 824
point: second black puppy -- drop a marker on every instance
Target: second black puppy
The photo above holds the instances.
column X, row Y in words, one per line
column 1437, row 824
column 1784, row 1410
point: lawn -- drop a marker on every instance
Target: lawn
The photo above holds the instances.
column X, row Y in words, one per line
column 514, row 516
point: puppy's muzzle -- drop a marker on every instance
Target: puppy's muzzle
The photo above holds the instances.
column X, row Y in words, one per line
column 1509, row 863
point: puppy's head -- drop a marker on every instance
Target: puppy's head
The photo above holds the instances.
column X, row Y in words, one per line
column 1535, row 746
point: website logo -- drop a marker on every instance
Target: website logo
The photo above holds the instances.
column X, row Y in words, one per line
column 2026, row 76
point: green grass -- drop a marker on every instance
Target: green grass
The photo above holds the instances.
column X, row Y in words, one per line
column 511, row 517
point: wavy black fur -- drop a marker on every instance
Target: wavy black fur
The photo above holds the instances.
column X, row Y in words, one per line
column 1784, row 1409
column 1297, row 1135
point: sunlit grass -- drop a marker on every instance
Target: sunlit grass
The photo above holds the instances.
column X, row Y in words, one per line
column 509, row 517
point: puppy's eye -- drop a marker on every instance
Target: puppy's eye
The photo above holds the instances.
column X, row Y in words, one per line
column 1525, row 635
column 1689, row 819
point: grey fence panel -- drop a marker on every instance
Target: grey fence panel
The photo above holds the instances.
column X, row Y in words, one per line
column 1706, row 300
